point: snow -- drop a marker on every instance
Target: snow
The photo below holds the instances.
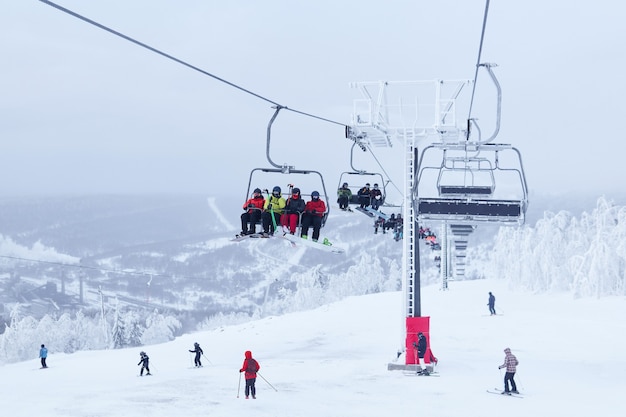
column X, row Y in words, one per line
column 332, row 361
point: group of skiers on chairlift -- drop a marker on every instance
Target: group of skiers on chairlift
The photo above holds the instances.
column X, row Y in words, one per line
column 366, row 196
column 275, row 211
column 429, row 237
column 394, row 223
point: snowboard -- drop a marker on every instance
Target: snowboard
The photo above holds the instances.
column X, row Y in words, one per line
column 309, row 243
column 376, row 213
column 364, row 211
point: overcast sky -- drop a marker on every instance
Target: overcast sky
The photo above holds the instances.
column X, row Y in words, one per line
column 82, row 110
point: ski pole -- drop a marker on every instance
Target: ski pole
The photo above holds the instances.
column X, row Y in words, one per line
column 268, row 383
column 239, row 385
column 207, row 359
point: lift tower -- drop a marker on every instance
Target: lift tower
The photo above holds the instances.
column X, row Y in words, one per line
column 452, row 180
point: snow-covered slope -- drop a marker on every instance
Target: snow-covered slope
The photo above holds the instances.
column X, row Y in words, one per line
column 332, row 361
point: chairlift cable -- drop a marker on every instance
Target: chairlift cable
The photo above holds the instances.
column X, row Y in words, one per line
column 383, row 169
column 480, row 49
column 180, row 61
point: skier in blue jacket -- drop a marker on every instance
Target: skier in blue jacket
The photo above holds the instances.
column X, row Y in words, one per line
column 43, row 354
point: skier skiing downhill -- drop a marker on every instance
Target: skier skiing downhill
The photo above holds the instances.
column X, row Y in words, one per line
column 510, row 363
column 492, row 304
column 250, row 367
column 144, row 362
column 198, row 351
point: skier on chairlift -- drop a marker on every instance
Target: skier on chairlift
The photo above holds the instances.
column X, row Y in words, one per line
column 364, row 196
column 252, row 215
column 293, row 209
column 313, row 213
column 273, row 207
column 376, row 197
column 344, row 195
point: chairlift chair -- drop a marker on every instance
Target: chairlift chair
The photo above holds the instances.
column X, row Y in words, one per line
column 365, row 177
column 465, row 189
column 288, row 171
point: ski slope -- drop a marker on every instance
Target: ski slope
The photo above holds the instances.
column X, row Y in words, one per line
column 332, row 361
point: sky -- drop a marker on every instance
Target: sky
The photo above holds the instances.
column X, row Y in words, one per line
column 83, row 111
column 333, row 361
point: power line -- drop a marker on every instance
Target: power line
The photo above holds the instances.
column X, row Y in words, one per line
column 80, row 266
column 180, row 61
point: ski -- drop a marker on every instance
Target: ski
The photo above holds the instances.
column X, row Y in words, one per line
column 505, row 395
column 421, row 374
column 316, row 245
column 427, row 374
column 240, row 237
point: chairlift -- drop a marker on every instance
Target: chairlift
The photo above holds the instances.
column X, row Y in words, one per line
column 467, row 175
column 465, row 187
column 290, row 171
column 363, row 177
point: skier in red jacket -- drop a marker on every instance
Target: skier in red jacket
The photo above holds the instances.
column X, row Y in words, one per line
column 254, row 208
column 250, row 367
column 313, row 214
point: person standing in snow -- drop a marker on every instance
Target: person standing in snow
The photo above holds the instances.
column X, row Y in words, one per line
column 43, row 354
column 510, row 363
column 250, row 367
column 198, row 351
column 144, row 362
column 492, row 304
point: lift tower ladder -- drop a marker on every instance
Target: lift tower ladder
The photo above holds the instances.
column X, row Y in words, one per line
column 408, row 113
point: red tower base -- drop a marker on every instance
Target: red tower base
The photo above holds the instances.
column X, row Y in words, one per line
column 415, row 325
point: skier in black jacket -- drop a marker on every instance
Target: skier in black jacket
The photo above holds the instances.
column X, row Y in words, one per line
column 492, row 304
column 198, row 351
column 144, row 363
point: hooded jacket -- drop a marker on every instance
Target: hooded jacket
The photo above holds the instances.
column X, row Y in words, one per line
column 248, row 361
column 510, row 361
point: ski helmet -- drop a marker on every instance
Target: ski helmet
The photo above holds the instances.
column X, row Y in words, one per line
column 375, row 185
column 315, row 195
column 276, row 190
column 295, row 191
column 257, row 191
column 367, row 184
column 345, row 184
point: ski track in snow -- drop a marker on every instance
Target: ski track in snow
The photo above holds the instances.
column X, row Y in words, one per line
column 218, row 214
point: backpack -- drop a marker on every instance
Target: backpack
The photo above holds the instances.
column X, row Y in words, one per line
column 253, row 366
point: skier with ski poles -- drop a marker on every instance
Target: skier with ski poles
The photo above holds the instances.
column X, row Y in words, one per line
column 144, row 362
column 492, row 304
column 250, row 367
column 510, row 363
column 198, row 351
column 272, row 210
